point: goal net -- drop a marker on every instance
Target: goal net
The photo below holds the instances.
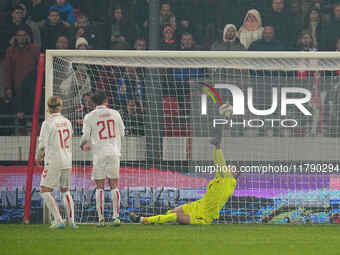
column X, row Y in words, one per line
column 282, row 136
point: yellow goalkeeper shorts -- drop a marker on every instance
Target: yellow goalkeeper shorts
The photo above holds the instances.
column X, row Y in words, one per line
column 197, row 213
column 205, row 210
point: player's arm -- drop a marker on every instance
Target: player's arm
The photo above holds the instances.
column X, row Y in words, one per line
column 43, row 140
column 218, row 158
column 85, row 138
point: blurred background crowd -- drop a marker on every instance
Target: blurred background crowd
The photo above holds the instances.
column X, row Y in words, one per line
column 29, row 27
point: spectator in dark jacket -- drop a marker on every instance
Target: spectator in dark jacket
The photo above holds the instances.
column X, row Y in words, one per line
column 295, row 12
column 230, row 40
column 306, row 42
column 187, row 42
column 82, row 109
column 86, row 30
column 325, row 8
column 15, row 20
column 166, row 15
column 280, row 19
column 268, row 42
column 38, row 11
column 186, row 26
column 66, row 12
column 21, row 58
column 141, row 9
column 332, row 31
column 168, row 41
column 314, row 26
column 122, row 29
column 24, row 100
column 7, row 107
column 133, row 118
column 19, row 67
column 35, row 27
column 52, row 28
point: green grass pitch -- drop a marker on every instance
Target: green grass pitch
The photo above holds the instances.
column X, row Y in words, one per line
column 171, row 239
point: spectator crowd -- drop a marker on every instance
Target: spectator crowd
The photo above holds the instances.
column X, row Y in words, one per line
column 29, row 27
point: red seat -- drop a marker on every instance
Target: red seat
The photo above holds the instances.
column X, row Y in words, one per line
column 170, row 106
column 172, row 127
column 168, row 126
column 181, row 130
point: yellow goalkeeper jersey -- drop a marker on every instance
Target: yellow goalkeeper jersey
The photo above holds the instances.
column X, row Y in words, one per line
column 219, row 189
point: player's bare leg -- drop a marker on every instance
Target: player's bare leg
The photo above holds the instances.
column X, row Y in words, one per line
column 178, row 209
column 69, row 205
column 182, row 217
column 100, row 201
column 46, row 194
column 115, row 195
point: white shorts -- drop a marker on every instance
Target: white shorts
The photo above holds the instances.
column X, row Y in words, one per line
column 53, row 179
column 106, row 167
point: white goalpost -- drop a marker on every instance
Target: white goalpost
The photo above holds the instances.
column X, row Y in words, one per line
column 283, row 135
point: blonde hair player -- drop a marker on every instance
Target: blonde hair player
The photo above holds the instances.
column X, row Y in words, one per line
column 102, row 132
column 205, row 210
column 55, row 147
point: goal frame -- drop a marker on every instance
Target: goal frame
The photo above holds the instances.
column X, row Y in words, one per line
column 175, row 54
column 33, row 138
column 50, row 54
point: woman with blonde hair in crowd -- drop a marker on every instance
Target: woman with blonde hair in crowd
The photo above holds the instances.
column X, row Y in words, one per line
column 251, row 29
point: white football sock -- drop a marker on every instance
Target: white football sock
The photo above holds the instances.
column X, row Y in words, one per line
column 69, row 205
column 115, row 202
column 100, row 203
column 52, row 205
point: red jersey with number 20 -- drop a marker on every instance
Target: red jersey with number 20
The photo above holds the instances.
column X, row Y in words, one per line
column 55, row 141
column 103, row 129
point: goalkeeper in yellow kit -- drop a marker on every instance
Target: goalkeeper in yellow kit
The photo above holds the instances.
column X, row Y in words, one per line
column 205, row 210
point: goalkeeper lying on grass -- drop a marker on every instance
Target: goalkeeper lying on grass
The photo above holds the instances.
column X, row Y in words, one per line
column 205, row 210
